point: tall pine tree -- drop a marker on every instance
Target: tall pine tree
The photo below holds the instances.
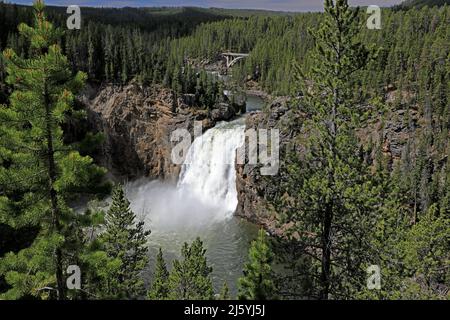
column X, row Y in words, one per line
column 38, row 173
column 124, row 240
column 328, row 197
column 190, row 278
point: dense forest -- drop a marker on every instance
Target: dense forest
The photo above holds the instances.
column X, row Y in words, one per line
column 422, row 3
column 412, row 44
column 347, row 205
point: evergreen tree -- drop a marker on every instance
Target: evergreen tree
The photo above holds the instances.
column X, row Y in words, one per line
column 176, row 80
column 257, row 282
column 159, row 289
column 91, row 52
column 225, row 293
column 338, row 222
column 38, row 173
column 328, row 196
column 126, row 241
column 190, row 278
column 412, row 257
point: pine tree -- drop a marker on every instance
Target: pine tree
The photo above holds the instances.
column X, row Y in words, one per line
column 159, row 289
column 126, row 241
column 190, row 278
column 176, row 80
column 225, row 292
column 412, row 256
column 91, row 61
column 328, row 196
column 424, row 256
column 38, row 173
column 257, row 282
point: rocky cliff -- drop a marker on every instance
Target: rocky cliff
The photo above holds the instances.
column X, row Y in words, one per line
column 137, row 123
column 252, row 187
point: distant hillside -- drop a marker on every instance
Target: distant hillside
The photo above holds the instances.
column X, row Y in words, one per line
column 422, row 3
column 183, row 19
column 242, row 13
column 150, row 19
column 248, row 12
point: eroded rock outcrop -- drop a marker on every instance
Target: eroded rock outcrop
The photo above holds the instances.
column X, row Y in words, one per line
column 137, row 123
column 253, row 189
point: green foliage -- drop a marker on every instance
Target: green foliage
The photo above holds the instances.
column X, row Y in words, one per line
column 413, row 258
column 122, row 253
column 343, row 215
column 38, row 173
column 225, row 292
column 126, row 45
column 346, row 211
column 116, row 45
column 39, row 259
column 408, row 53
column 329, row 196
column 425, row 250
column 257, row 282
column 159, row 289
column 190, row 279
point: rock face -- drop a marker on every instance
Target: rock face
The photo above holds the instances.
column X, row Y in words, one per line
column 254, row 189
column 137, row 123
column 223, row 111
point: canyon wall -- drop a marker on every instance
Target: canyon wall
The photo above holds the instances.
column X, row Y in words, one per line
column 137, row 123
column 253, row 189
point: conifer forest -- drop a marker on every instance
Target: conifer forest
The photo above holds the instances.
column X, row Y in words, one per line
column 184, row 152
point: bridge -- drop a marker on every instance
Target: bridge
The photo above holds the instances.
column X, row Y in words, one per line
column 232, row 58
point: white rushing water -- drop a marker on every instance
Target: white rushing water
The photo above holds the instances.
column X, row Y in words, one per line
column 209, row 169
column 206, row 191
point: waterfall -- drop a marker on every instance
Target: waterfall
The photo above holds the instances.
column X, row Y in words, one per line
column 206, row 191
column 201, row 204
column 209, row 169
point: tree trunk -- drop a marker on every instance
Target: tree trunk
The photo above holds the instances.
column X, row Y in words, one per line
column 53, row 195
column 326, row 253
